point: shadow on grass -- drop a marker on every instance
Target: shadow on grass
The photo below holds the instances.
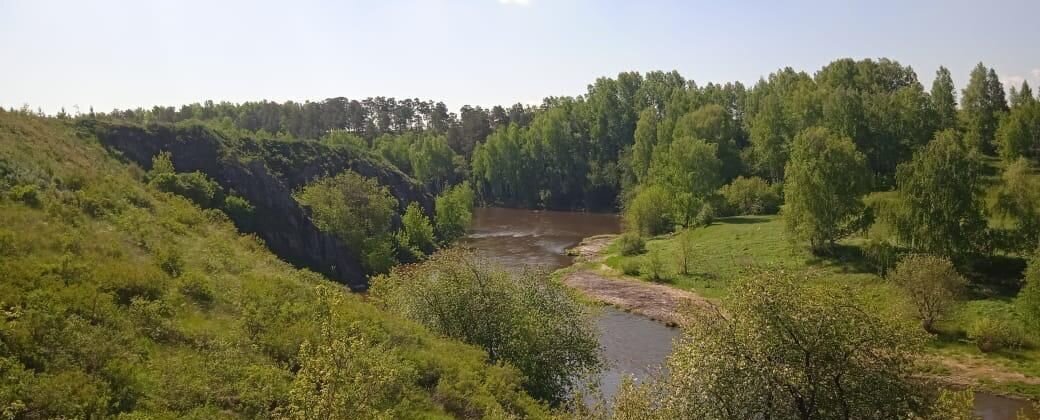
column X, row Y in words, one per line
column 742, row 220
column 997, row 276
column 848, row 258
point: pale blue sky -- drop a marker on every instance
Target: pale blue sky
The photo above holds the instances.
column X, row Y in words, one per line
column 109, row 53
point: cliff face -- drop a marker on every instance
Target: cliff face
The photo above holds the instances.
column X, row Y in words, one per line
column 266, row 172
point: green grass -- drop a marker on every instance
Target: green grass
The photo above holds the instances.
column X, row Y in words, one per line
column 726, row 249
column 97, row 318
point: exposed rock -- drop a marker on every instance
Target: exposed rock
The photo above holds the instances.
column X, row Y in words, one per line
column 266, row 173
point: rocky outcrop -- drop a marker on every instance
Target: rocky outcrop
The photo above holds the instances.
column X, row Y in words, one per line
column 265, row 172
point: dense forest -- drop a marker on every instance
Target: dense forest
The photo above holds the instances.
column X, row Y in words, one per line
column 183, row 262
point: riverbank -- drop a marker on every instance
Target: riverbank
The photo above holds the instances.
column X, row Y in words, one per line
column 603, row 284
column 725, row 247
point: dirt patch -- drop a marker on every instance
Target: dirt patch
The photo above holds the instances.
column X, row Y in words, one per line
column 591, row 248
column 968, row 371
column 658, row 302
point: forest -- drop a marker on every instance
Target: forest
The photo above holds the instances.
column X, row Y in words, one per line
column 186, row 261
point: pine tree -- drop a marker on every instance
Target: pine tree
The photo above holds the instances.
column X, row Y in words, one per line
column 944, row 99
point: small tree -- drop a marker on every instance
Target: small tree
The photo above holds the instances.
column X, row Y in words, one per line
column 685, row 248
column 454, row 212
column 416, row 233
column 789, row 351
column 647, row 212
column 1028, row 300
column 653, row 266
column 750, row 196
column 933, row 285
column 824, row 180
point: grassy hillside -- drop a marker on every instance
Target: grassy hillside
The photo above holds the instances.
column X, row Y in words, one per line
column 119, row 300
column 723, row 250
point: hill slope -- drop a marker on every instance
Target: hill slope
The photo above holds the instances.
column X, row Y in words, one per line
column 117, row 299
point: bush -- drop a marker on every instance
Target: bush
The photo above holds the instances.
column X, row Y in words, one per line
column 631, row 266
column 525, row 319
column 197, row 288
column 240, row 211
column 993, row 334
column 751, row 196
column 631, row 244
column 416, row 233
column 647, row 212
column 453, row 212
column 880, row 254
column 27, row 194
column 1028, row 299
column 653, row 266
column 933, row 284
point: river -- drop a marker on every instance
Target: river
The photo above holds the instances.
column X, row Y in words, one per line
column 631, row 344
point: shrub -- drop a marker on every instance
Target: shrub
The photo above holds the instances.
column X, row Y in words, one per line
column 27, row 194
column 880, row 254
column 995, row 334
column 647, row 212
column 1028, row 299
column 751, row 196
column 933, row 284
column 631, row 266
column 239, row 210
column 453, row 212
column 630, row 243
column 416, row 233
column 525, row 319
column 653, row 266
column 197, row 288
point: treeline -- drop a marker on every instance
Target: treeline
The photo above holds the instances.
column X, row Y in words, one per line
column 367, row 118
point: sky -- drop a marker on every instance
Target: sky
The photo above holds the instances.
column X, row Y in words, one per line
column 124, row 54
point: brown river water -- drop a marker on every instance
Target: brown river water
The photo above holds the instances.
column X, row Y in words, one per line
column 631, row 344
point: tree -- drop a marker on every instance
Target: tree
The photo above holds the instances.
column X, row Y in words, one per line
column 689, row 171
column 454, row 212
column 941, row 210
column 646, row 213
column 981, row 105
column 786, row 350
column 751, row 196
column 769, row 144
column 1019, row 133
column 686, row 249
column 1021, row 96
column 524, row 319
column 944, row 99
column 824, row 181
column 358, row 211
column 416, row 234
column 1018, row 199
column 645, row 141
column 1028, row 299
column 933, row 285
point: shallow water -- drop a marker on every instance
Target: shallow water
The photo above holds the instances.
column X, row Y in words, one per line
column 631, row 344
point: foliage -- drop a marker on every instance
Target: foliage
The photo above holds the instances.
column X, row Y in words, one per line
column 686, row 248
column 785, row 350
column 454, row 212
column 91, row 326
column 993, row 334
column 1018, row 199
column 416, row 233
column 823, row 182
column 982, row 105
column 1019, row 133
column 240, row 211
column 526, row 320
column 940, row 193
column 751, row 196
column 645, row 213
column 1028, row 300
column 688, row 171
column 630, row 243
column 358, row 211
column 933, row 285
column 653, row 266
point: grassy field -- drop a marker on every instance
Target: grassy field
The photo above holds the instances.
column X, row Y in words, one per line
column 730, row 246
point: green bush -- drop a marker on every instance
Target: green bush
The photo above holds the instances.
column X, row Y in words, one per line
column 197, row 288
column 239, row 210
column 751, row 196
column 631, row 244
column 453, row 212
column 1028, row 299
column 416, row 232
column 631, row 266
column 654, row 266
column 647, row 212
column 994, row 334
column 27, row 194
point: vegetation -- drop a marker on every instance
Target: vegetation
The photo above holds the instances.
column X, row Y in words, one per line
column 454, row 212
column 525, row 320
column 785, row 350
column 122, row 300
column 823, row 183
column 751, row 196
column 358, row 211
column 416, row 234
column 933, row 285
